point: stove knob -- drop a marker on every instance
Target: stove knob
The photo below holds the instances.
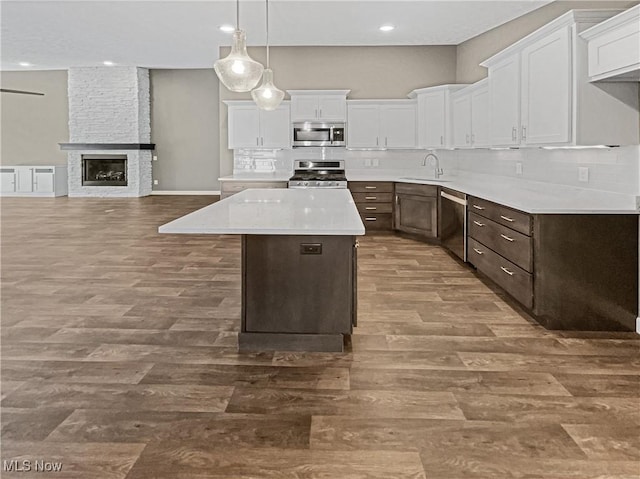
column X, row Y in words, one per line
column 305, row 183
column 318, row 183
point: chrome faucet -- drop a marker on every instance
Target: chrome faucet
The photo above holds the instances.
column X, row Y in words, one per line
column 437, row 170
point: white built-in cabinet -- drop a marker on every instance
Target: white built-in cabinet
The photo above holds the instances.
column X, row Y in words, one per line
column 318, row 105
column 435, row 116
column 381, row 124
column 251, row 127
column 540, row 95
column 33, row 180
column 470, row 107
column 614, row 47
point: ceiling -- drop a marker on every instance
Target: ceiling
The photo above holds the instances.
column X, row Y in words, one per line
column 184, row 34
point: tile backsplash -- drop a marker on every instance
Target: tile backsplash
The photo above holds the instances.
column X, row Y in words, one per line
column 609, row 169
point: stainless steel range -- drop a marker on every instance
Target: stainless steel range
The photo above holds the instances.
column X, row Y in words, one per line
column 318, row 174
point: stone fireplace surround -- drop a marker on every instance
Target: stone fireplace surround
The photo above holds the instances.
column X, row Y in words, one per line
column 110, row 113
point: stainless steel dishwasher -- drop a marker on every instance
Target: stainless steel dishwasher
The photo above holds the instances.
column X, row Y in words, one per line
column 452, row 219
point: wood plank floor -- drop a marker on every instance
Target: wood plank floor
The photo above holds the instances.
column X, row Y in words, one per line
column 119, row 361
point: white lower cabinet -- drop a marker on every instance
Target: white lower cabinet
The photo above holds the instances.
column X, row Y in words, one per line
column 381, row 124
column 33, row 181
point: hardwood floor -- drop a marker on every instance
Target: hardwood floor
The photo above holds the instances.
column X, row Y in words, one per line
column 119, row 361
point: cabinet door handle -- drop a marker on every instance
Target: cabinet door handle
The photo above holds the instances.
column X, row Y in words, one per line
column 510, row 273
column 320, row 113
column 478, row 207
column 473, row 137
column 385, row 141
column 370, row 197
column 478, row 223
column 257, row 141
column 441, row 140
column 262, row 141
column 316, row 113
column 370, row 218
column 370, row 187
column 524, row 132
column 467, row 138
column 514, row 132
column 507, row 238
column 370, row 208
column 477, row 251
column 506, row 218
column 377, row 141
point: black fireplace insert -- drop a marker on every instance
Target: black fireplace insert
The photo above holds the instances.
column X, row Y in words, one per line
column 104, row 170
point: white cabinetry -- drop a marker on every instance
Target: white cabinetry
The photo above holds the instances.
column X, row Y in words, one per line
column 614, row 47
column 33, row 180
column 381, row 124
column 539, row 93
column 471, row 116
column 318, row 105
column 435, row 115
column 250, row 127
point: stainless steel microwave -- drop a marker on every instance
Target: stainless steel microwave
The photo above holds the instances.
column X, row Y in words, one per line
column 319, row 134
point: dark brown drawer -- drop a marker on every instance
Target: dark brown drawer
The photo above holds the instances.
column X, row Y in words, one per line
column 377, row 221
column 514, row 280
column 514, row 246
column 372, row 197
column 371, row 186
column 514, row 219
column 370, row 208
column 418, row 190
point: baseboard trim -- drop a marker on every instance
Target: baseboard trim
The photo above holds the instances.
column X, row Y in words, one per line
column 185, row 193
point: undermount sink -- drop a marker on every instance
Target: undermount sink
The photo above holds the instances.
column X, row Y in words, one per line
column 434, row 180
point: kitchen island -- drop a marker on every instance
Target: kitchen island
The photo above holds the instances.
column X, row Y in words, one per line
column 298, row 264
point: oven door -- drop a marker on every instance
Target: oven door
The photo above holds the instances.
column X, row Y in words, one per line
column 311, row 134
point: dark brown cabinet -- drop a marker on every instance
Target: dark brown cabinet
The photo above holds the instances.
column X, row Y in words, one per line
column 571, row 271
column 416, row 209
column 374, row 200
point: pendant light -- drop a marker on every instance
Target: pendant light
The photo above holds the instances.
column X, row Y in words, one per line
column 238, row 71
column 267, row 96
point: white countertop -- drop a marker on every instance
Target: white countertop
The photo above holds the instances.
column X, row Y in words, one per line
column 529, row 196
column 275, row 212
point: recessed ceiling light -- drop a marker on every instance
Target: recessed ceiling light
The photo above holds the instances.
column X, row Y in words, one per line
column 227, row 28
column 24, row 64
column 108, row 63
column 386, row 28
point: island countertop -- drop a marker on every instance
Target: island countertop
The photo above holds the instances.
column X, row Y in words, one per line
column 311, row 211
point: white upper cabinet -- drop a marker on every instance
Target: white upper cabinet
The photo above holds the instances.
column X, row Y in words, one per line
column 539, row 91
column 250, row 127
column 318, row 105
column 435, row 115
column 381, row 124
column 614, row 47
column 471, row 116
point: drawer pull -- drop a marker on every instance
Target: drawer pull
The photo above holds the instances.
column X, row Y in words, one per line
column 477, row 251
column 371, row 208
column 478, row 223
column 506, row 218
column 510, row 273
column 370, row 218
column 370, row 197
column 507, row 238
column 478, row 207
column 370, row 187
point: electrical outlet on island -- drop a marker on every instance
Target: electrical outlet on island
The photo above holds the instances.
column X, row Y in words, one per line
column 583, row 174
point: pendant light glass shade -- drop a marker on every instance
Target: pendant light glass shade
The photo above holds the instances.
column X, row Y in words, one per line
column 238, row 71
column 267, row 96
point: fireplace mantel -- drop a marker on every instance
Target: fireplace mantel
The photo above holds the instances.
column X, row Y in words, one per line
column 107, row 146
